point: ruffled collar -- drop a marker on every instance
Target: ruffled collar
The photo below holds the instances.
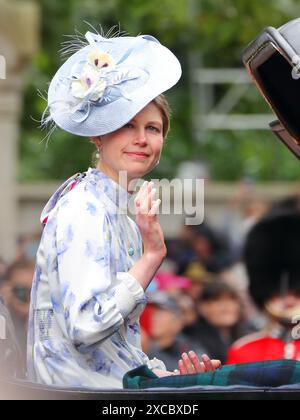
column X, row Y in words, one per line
column 99, row 184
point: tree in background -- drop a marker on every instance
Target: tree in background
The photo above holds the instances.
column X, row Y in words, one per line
column 216, row 29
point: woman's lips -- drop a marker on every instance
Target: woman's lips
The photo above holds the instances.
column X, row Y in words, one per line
column 137, row 155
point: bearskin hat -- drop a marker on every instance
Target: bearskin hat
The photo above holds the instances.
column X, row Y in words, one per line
column 272, row 255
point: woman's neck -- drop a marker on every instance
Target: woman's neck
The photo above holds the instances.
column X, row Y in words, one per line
column 122, row 178
column 123, row 181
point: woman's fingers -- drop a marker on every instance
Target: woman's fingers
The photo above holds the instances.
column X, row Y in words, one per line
column 155, row 208
column 181, row 367
column 216, row 363
column 140, row 194
column 148, row 203
column 144, row 198
column 209, row 367
column 190, row 364
column 199, row 367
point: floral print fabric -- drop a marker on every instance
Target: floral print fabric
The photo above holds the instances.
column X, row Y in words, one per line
column 84, row 318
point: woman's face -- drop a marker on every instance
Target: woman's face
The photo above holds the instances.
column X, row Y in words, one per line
column 142, row 135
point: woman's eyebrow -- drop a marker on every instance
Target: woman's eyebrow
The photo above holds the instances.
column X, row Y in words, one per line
column 149, row 122
column 155, row 122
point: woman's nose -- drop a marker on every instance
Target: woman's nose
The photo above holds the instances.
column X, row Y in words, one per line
column 140, row 136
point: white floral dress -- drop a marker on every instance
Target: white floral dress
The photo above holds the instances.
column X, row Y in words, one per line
column 84, row 317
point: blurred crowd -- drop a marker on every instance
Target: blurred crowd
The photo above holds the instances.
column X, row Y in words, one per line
column 15, row 288
column 199, row 299
column 221, row 291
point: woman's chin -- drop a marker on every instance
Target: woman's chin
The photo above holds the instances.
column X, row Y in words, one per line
column 137, row 172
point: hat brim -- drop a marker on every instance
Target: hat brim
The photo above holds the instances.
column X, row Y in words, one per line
column 160, row 64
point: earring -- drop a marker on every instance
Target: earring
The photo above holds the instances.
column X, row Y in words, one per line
column 157, row 163
column 98, row 154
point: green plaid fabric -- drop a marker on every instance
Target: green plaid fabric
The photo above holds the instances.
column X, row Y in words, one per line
column 261, row 374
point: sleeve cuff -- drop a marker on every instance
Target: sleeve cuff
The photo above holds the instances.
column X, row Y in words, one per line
column 128, row 294
column 156, row 364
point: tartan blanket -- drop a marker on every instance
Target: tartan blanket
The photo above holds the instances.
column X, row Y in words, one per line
column 260, row 374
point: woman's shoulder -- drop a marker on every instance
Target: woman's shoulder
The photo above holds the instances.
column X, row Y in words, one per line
column 81, row 201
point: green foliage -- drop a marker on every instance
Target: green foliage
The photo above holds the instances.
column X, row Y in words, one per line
column 218, row 30
column 244, row 154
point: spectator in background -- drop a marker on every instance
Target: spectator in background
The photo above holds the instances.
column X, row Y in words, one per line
column 15, row 291
column 210, row 248
column 180, row 250
column 220, row 320
column 188, row 308
column 171, row 283
column 166, row 325
column 198, row 277
column 272, row 260
column 236, row 277
column 165, row 281
column 202, row 244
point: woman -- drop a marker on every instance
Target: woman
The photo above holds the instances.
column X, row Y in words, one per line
column 92, row 273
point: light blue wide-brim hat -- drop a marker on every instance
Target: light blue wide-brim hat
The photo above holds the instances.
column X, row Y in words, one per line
column 103, row 85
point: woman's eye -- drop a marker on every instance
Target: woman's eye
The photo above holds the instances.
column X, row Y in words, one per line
column 129, row 125
column 155, row 129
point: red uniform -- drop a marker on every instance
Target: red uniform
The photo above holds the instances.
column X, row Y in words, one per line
column 261, row 347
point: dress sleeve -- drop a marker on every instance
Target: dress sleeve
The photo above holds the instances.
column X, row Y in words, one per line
column 94, row 298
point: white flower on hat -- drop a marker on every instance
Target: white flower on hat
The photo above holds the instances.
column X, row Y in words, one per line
column 89, row 84
column 101, row 60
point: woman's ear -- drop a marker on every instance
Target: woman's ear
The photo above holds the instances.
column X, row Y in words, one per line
column 96, row 141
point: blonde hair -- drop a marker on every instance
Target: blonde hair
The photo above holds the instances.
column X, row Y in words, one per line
column 162, row 104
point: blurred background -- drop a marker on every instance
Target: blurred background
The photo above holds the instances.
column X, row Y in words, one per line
column 219, row 132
